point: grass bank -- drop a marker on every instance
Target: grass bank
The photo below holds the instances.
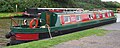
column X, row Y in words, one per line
column 59, row 39
column 9, row 14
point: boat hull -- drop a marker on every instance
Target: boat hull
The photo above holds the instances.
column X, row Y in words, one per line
column 55, row 31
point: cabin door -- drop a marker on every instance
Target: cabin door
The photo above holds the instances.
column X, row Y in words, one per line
column 48, row 18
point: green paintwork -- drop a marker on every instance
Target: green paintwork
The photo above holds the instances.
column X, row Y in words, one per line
column 53, row 18
column 60, row 27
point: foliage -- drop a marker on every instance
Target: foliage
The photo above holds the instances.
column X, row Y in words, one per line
column 10, row 5
column 111, row 4
column 59, row 39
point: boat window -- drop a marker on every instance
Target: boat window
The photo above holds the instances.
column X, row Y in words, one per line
column 78, row 18
column 91, row 16
column 97, row 15
column 103, row 15
column 66, row 19
column 109, row 14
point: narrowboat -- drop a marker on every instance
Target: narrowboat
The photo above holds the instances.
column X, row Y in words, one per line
column 37, row 21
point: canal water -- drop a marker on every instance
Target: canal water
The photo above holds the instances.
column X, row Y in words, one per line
column 5, row 28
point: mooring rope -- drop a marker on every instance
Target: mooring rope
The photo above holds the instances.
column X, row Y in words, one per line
column 49, row 31
column 16, row 24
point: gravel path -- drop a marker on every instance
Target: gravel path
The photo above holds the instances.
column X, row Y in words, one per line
column 110, row 40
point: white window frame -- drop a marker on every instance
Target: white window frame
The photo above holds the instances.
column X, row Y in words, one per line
column 109, row 14
column 79, row 18
column 90, row 16
column 103, row 15
column 68, row 19
column 98, row 15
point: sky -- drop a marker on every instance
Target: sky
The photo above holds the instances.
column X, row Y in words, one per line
column 112, row 0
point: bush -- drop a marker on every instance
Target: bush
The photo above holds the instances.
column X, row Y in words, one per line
column 10, row 5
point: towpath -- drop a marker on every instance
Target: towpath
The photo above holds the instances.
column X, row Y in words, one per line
column 110, row 40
